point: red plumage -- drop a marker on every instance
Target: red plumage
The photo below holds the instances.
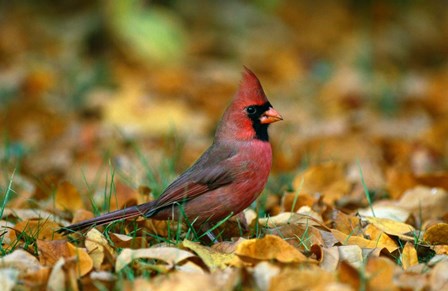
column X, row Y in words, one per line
column 228, row 177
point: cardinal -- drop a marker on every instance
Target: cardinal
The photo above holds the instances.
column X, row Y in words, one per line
column 228, row 176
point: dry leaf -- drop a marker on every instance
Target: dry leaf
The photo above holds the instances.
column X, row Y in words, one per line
column 20, row 260
column 268, row 248
column 57, row 279
column 391, row 227
column 425, row 202
column 386, row 209
column 328, row 179
column 437, row 234
column 441, row 249
column 348, row 274
column 288, row 218
column 439, row 276
column 39, row 229
column 67, row 197
column 263, row 273
column 8, row 278
column 51, row 251
column 383, row 239
column 96, row 245
column 126, row 241
column 302, row 279
column 211, row 257
column 352, row 255
column 362, row 242
column 409, row 256
column 330, row 259
column 170, row 255
column 380, row 272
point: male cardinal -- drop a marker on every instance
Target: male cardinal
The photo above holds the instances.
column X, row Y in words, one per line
column 228, row 176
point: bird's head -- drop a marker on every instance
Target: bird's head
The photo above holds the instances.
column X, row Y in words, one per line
column 250, row 112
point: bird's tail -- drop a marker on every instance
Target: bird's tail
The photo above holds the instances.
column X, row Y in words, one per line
column 126, row 213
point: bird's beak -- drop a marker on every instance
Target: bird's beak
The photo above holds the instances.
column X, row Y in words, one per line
column 270, row 116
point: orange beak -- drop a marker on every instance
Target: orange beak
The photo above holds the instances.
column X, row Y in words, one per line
column 270, row 116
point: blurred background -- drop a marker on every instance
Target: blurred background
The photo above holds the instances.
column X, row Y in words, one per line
column 132, row 88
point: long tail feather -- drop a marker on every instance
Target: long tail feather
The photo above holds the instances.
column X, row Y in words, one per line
column 127, row 213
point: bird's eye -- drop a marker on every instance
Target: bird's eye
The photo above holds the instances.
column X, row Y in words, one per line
column 251, row 109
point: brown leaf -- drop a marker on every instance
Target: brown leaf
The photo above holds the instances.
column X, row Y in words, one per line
column 51, row 251
column 437, row 234
column 126, row 241
column 349, row 275
column 268, row 248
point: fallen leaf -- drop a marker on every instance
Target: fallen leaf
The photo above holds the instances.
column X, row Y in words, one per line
column 39, row 229
column 348, row 274
column 328, row 179
column 170, row 255
column 409, row 256
column 8, row 278
column 20, row 260
column 211, row 257
column 330, row 259
column 441, row 249
column 67, row 197
column 425, row 202
column 437, row 234
column 383, row 239
column 51, row 251
column 346, row 240
column 302, row 279
column 391, row 227
column 352, row 255
column 268, row 248
column 263, row 273
column 439, row 276
column 57, row 278
column 96, row 245
column 288, row 218
column 126, row 241
column 380, row 272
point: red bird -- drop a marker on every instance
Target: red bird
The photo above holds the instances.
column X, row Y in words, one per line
column 227, row 178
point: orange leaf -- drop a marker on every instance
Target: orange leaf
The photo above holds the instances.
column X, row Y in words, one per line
column 409, row 256
column 268, row 248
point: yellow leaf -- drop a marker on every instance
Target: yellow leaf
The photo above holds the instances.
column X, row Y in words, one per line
column 409, row 256
column 362, row 242
column 212, row 258
column 391, row 227
column 268, row 248
column 96, row 244
column 68, row 197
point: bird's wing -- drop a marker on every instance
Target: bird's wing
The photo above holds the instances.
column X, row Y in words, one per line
column 210, row 172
